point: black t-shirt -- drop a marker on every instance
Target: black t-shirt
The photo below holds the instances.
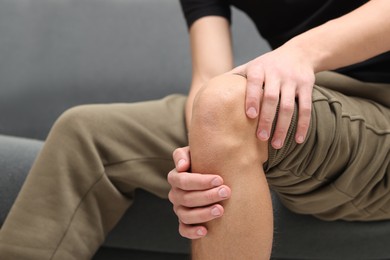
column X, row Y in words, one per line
column 279, row 20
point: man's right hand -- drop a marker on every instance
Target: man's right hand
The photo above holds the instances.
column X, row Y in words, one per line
column 195, row 197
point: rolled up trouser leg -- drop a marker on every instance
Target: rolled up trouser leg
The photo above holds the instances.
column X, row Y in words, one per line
column 84, row 178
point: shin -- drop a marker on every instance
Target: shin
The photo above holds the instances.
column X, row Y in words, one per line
column 223, row 141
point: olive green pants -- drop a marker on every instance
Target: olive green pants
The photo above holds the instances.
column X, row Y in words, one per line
column 84, row 178
column 342, row 169
column 97, row 155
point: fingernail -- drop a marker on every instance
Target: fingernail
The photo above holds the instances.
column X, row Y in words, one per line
column 200, row 232
column 277, row 143
column 300, row 139
column 216, row 182
column 180, row 163
column 215, row 212
column 223, row 193
column 251, row 112
column 263, row 135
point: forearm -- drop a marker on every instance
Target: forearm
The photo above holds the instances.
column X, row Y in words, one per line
column 190, row 101
column 352, row 38
column 211, row 54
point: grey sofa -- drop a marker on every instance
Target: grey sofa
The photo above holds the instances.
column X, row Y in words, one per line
column 55, row 54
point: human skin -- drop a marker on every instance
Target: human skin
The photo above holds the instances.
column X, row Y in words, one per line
column 337, row 43
column 288, row 72
column 220, row 132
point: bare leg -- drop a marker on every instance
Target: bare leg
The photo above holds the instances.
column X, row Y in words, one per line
column 223, row 141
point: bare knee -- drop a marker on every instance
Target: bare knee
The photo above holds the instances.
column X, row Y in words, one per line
column 220, row 103
column 219, row 122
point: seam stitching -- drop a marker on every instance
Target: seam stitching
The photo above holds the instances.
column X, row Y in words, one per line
column 74, row 214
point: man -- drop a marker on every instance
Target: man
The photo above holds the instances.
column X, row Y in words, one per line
column 338, row 169
column 73, row 196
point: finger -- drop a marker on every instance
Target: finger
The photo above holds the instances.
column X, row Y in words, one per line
column 304, row 115
column 193, row 181
column 199, row 198
column 255, row 80
column 269, row 104
column 181, row 157
column 191, row 216
column 286, row 110
column 192, row 232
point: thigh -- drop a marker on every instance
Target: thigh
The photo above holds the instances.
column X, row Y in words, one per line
column 341, row 170
column 85, row 175
column 131, row 142
column 378, row 92
column 144, row 136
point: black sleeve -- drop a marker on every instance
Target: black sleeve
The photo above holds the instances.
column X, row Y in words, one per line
column 195, row 9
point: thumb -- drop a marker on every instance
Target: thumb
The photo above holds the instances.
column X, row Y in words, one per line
column 181, row 157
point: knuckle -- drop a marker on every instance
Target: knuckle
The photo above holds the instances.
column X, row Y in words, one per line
column 184, row 218
column 307, row 81
column 266, row 120
column 170, row 177
column 184, row 231
column 186, row 200
column 180, row 213
column 286, row 107
column 171, row 197
column 183, row 234
column 253, row 91
column 174, row 209
column 271, row 97
column 303, row 126
column 305, row 110
column 280, row 131
column 210, row 197
column 176, row 152
column 182, row 181
column 255, row 72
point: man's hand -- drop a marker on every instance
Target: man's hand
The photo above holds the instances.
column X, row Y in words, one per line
column 279, row 75
column 194, row 196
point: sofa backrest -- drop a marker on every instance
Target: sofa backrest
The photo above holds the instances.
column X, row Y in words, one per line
column 55, row 54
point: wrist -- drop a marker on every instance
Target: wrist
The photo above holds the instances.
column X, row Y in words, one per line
column 310, row 52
